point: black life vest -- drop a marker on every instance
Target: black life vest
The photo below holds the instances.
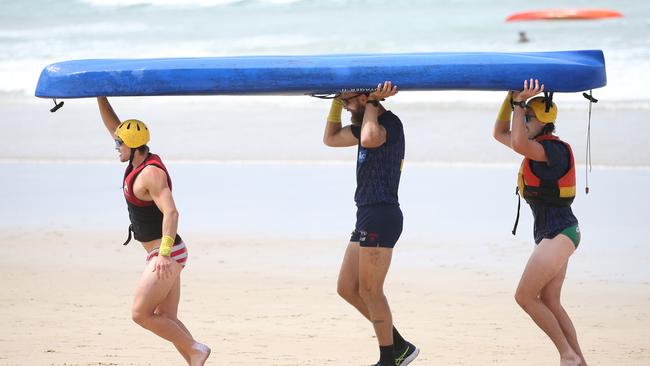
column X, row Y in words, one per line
column 146, row 218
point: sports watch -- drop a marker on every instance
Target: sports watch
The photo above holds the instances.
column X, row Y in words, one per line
column 520, row 103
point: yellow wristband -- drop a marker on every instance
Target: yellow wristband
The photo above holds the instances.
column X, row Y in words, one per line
column 166, row 245
column 505, row 112
column 335, row 111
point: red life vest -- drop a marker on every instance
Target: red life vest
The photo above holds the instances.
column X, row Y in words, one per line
column 146, row 219
column 554, row 192
column 131, row 173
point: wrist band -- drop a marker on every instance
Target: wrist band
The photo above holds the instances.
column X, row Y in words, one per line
column 505, row 112
column 335, row 111
column 166, row 245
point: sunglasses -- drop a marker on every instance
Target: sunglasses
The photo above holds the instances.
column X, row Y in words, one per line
column 527, row 118
column 118, row 143
column 348, row 99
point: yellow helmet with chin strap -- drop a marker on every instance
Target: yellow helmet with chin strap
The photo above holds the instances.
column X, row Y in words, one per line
column 538, row 105
column 134, row 133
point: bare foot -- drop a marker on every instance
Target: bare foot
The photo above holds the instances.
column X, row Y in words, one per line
column 573, row 360
column 199, row 354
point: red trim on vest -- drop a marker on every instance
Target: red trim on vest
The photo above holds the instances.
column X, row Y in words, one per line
column 131, row 173
column 528, row 179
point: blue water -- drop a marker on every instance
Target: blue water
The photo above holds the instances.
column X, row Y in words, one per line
column 35, row 33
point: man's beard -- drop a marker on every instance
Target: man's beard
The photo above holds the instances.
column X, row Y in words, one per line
column 357, row 117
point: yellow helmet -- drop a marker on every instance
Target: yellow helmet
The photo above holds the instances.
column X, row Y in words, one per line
column 538, row 105
column 133, row 133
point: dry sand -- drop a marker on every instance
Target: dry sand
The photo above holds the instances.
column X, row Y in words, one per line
column 66, row 297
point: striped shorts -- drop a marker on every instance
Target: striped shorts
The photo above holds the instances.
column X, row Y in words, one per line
column 179, row 253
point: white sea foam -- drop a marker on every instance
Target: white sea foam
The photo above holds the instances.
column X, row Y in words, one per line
column 180, row 3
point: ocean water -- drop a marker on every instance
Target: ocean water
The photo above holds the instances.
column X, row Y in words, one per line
column 35, row 33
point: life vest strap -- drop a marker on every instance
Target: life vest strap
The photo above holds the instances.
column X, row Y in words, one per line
column 128, row 240
column 514, row 229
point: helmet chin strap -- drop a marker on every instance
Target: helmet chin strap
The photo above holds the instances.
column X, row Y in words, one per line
column 132, row 156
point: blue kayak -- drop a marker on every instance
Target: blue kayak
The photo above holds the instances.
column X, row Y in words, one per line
column 563, row 71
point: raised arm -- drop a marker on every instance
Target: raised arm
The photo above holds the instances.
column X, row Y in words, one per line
column 372, row 133
column 110, row 119
column 335, row 134
column 502, row 124
column 519, row 137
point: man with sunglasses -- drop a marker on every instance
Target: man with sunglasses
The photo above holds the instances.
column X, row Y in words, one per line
column 379, row 137
column 154, row 220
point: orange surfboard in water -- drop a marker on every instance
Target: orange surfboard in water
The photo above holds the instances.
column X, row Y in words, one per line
column 564, row 14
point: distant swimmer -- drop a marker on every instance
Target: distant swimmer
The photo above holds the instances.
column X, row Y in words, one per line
column 379, row 137
column 547, row 182
column 147, row 188
column 523, row 38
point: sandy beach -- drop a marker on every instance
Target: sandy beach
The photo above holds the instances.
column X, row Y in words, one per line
column 266, row 208
column 266, row 218
column 274, row 303
column 260, row 287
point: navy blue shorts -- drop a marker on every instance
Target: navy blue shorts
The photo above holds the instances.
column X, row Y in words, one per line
column 378, row 226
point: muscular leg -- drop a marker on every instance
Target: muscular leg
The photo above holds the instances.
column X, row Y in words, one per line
column 348, row 282
column 373, row 267
column 548, row 259
column 150, row 293
column 550, row 296
column 169, row 309
column 348, row 288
